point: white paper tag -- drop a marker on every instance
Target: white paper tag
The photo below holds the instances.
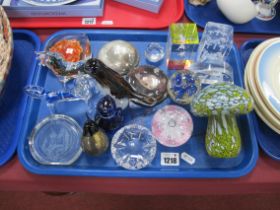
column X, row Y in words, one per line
column 88, row 21
column 189, row 159
column 169, row 159
column 107, row 22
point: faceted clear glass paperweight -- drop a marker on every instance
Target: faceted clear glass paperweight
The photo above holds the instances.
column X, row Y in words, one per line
column 154, row 52
column 56, row 141
column 133, row 147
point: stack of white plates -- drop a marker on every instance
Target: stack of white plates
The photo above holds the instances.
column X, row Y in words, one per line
column 262, row 80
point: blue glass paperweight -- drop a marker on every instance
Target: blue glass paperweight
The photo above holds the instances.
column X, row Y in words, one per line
column 182, row 86
column 56, row 141
column 133, row 147
column 108, row 116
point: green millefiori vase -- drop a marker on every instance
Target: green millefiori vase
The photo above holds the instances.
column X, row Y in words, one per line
column 222, row 136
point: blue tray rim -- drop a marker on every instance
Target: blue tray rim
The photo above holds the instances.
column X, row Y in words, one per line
column 9, row 153
column 243, row 47
column 143, row 173
column 236, row 28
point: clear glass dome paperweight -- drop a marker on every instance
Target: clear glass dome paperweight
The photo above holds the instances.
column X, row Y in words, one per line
column 56, row 141
column 133, row 147
column 119, row 55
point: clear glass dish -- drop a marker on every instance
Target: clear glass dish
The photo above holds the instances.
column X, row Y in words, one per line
column 56, row 140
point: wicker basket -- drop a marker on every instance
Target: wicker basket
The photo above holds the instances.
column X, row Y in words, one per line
column 6, row 47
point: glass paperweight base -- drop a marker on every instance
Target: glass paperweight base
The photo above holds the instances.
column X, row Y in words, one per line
column 172, row 126
column 213, row 71
column 56, row 141
column 133, row 147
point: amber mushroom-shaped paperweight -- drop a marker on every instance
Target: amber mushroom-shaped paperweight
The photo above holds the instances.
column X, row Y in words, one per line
column 221, row 102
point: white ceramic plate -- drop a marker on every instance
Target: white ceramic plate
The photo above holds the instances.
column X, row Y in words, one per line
column 262, row 110
column 267, row 77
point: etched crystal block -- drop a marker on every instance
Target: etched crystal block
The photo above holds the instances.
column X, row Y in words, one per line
column 216, row 42
column 211, row 63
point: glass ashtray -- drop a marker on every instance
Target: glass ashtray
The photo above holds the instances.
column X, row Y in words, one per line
column 56, row 140
column 133, row 147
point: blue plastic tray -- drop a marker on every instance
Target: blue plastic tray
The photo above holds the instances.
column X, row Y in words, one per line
column 13, row 101
column 210, row 12
column 205, row 166
column 268, row 139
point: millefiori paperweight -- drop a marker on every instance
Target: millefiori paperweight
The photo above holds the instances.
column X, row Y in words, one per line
column 220, row 102
column 172, row 126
